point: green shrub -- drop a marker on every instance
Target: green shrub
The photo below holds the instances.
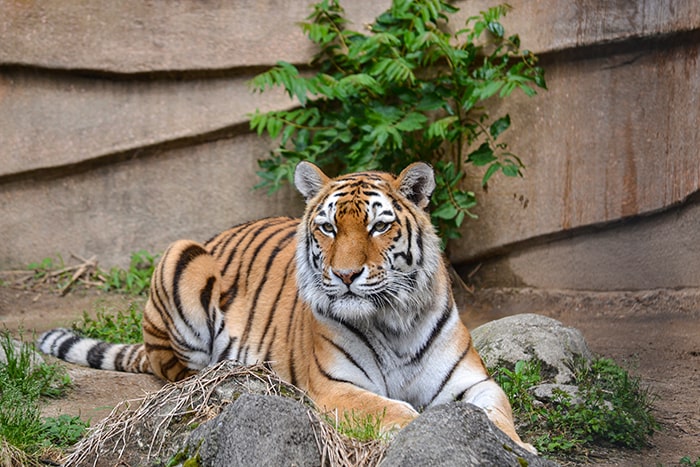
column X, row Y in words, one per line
column 611, row 408
column 408, row 91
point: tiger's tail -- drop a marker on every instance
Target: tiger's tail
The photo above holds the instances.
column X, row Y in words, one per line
column 71, row 347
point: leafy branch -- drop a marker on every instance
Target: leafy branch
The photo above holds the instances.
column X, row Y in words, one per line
column 408, row 90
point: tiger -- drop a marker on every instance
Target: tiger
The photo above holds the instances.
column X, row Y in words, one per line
column 352, row 303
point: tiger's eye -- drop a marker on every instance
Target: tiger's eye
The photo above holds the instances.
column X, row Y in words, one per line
column 327, row 227
column 380, row 227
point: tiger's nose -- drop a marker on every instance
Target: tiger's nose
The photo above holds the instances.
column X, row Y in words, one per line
column 348, row 276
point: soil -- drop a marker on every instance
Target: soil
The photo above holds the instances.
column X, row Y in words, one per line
column 655, row 334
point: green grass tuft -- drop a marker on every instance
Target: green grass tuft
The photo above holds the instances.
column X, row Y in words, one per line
column 136, row 280
column 122, row 327
column 362, row 427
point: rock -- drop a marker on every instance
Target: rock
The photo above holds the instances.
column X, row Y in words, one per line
column 527, row 336
column 257, row 430
column 456, row 434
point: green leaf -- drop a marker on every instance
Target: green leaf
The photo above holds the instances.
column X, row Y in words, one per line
column 493, row 168
column 496, row 28
column 482, row 156
column 499, row 126
column 445, row 211
column 511, row 170
column 411, row 122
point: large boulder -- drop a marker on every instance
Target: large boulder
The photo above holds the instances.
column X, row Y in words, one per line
column 257, row 430
column 530, row 336
column 456, row 434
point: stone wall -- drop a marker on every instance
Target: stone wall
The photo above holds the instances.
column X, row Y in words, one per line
column 123, row 127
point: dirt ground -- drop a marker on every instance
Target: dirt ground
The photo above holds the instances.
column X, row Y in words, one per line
column 655, row 334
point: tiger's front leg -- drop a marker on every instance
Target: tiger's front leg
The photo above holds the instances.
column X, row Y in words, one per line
column 343, row 398
column 183, row 327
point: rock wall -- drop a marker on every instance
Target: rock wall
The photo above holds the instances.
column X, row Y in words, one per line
column 123, row 127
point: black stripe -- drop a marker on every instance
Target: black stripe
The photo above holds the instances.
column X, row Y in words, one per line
column 407, row 255
column 119, row 359
column 268, row 352
column 363, row 338
column 96, row 354
column 66, row 345
column 275, row 304
column 182, row 374
column 282, row 243
column 169, row 364
column 460, row 396
column 437, row 329
column 150, row 327
column 347, row 355
column 205, row 301
column 328, row 375
column 262, row 225
column 186, row 257
column 225, row 353
column 449, row 374
column 419, row 245
column 225, row 239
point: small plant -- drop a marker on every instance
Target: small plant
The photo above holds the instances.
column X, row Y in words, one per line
column 613, row 409
column 122, row 327
column 356, row 426
column 64, row 431
column 44, row 267
column 687, row 460
column 135, row 280
column 24, row 380
column 408, row 91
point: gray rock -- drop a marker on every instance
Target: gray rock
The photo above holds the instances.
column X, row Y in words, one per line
column 456, row 434
column 257, row 430
column 527, row 336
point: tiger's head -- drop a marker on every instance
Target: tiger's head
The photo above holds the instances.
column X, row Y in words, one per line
column 367, row 251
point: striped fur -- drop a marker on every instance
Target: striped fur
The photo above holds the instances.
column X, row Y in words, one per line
column 352, row 303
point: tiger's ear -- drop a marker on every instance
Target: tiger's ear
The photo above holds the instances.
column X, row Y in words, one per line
column 309, row 179
column 417, row 182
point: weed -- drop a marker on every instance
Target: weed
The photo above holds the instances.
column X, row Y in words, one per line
column 122, row 327
column 23, row 381
column 614, row 410
column 63, row 431
column 44, row 267
column 362, row 427
column 687, row 460
column 135, row 280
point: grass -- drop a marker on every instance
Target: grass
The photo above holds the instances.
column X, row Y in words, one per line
column 612, row 409
column 687, row 460
column 361, row 427
column 25, row 437
column 122, row 327
column 136, row 280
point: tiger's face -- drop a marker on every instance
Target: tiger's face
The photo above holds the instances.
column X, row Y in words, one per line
column 366, row 246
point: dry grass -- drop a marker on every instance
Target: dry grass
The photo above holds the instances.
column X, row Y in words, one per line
column 158, row 424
